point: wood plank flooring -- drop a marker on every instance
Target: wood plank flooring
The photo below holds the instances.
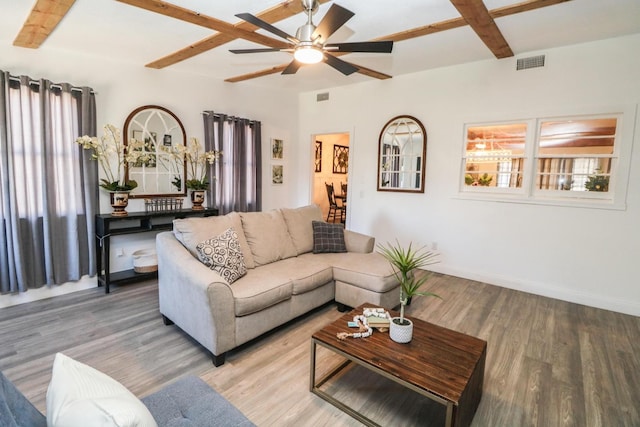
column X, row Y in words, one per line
column 549, row 362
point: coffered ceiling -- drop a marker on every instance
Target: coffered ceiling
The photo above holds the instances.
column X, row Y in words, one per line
column 194, row 36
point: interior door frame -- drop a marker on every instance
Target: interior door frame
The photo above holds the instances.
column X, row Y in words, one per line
column 312, row 142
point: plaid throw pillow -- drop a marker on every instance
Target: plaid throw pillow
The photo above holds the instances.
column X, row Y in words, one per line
column 223, row 255
column 328, row 237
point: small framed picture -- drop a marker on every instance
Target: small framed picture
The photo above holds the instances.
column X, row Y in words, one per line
column 318, row 158
column 277, row 176
column 340, row 159
column 277, row 149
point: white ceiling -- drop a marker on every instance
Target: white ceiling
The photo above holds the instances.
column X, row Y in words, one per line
column 110, row 29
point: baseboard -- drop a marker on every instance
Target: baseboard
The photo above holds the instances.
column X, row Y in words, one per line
column 44, row 292
column 585, row 298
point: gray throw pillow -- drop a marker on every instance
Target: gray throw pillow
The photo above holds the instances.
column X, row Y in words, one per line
column 328, row 237
column 223, row 255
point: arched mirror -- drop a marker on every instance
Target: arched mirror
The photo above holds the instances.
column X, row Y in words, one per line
column 402, row 154
column 155, row 132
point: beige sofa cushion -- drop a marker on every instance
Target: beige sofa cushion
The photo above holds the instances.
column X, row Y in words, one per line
column 260, row 289
column 193, row 231
column 299, row 225
column 369, row 271
column 267, row 236
column 306, row 274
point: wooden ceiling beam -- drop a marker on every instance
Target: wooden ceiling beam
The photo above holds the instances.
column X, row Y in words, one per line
column 524, row 6
column 256, row 74
column 272, row 15
column 43, row 19
column 278, row 69
column 479, row 19
column 450, row 24
column 177, row 12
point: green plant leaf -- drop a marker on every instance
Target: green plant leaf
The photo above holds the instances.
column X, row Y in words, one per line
column 404, row 261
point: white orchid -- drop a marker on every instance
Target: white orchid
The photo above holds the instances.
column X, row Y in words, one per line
column 103, row 150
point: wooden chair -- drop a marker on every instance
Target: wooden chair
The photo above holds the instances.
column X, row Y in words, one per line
column 336, row 210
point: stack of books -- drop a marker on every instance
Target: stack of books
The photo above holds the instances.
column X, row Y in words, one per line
column 376, row 321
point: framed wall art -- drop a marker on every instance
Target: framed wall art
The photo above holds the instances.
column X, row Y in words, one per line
column 340, row 159
column 277, row 176
column 318, row 158
column 277, row 149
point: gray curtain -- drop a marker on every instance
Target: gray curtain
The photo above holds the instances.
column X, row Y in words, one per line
column 237, row 178
column 48, row 185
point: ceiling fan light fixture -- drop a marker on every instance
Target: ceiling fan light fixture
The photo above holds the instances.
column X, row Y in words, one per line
column 308, row 55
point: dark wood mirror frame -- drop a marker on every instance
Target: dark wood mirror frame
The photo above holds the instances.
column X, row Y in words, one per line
column 158, row 126
column 402, row 155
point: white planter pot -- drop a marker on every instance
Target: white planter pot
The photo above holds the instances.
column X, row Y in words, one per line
column 400, row 333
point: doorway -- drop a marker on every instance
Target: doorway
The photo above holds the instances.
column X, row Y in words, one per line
column 331, row 166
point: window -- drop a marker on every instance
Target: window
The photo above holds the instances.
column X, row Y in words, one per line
column 48, row 186
column 566, row 160
column 494, row 155
column 575, row 155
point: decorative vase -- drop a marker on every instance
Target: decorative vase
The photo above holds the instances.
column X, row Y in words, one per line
column 400, row 333
column 119, row 202
column 197, row 199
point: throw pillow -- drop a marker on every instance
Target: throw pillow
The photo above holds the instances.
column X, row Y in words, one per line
column 223, row 255
column 328, row 237
column 79, row 395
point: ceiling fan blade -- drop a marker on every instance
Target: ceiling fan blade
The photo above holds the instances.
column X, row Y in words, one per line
column 292, row 68
column 374, row 47
column 266, row 26
column 343, row 66
column 335, row 18
column 259, row 50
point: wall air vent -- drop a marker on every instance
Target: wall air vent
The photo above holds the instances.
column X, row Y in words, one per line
column 530, row 62
column 322, row 97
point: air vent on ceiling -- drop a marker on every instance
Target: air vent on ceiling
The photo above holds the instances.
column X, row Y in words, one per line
column 322, row 97
column 530, row 62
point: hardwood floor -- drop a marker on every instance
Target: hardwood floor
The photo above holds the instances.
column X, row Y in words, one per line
column 549, row 362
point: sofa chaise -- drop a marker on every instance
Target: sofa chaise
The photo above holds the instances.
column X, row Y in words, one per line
column 291, row 262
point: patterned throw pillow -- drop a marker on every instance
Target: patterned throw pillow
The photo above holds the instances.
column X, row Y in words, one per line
column 223, row 255
column 328, row 237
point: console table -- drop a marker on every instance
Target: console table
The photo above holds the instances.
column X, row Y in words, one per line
column 136, row 222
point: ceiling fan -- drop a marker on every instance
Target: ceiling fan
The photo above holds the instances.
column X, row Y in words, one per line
column 310, row 46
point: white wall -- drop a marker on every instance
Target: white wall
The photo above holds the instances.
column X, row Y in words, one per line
column 577, row 254
column 122, row 87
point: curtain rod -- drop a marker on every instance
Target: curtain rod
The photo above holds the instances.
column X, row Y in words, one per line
column 53, row 85
column 229, row 118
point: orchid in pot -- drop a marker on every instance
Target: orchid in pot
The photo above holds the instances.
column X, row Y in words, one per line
column 196, row 159
column 404, row 262
column 112, row 154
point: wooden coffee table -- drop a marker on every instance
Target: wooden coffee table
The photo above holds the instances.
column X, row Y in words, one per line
column 443, row 365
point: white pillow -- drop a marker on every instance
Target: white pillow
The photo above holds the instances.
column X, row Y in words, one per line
column 81, row 396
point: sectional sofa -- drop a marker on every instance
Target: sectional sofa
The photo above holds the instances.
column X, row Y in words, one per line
column 226, row 280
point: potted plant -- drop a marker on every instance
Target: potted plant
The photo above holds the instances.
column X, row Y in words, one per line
column 597, row 182
column 196, row 159
column 112, row 154
column 404, row 262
